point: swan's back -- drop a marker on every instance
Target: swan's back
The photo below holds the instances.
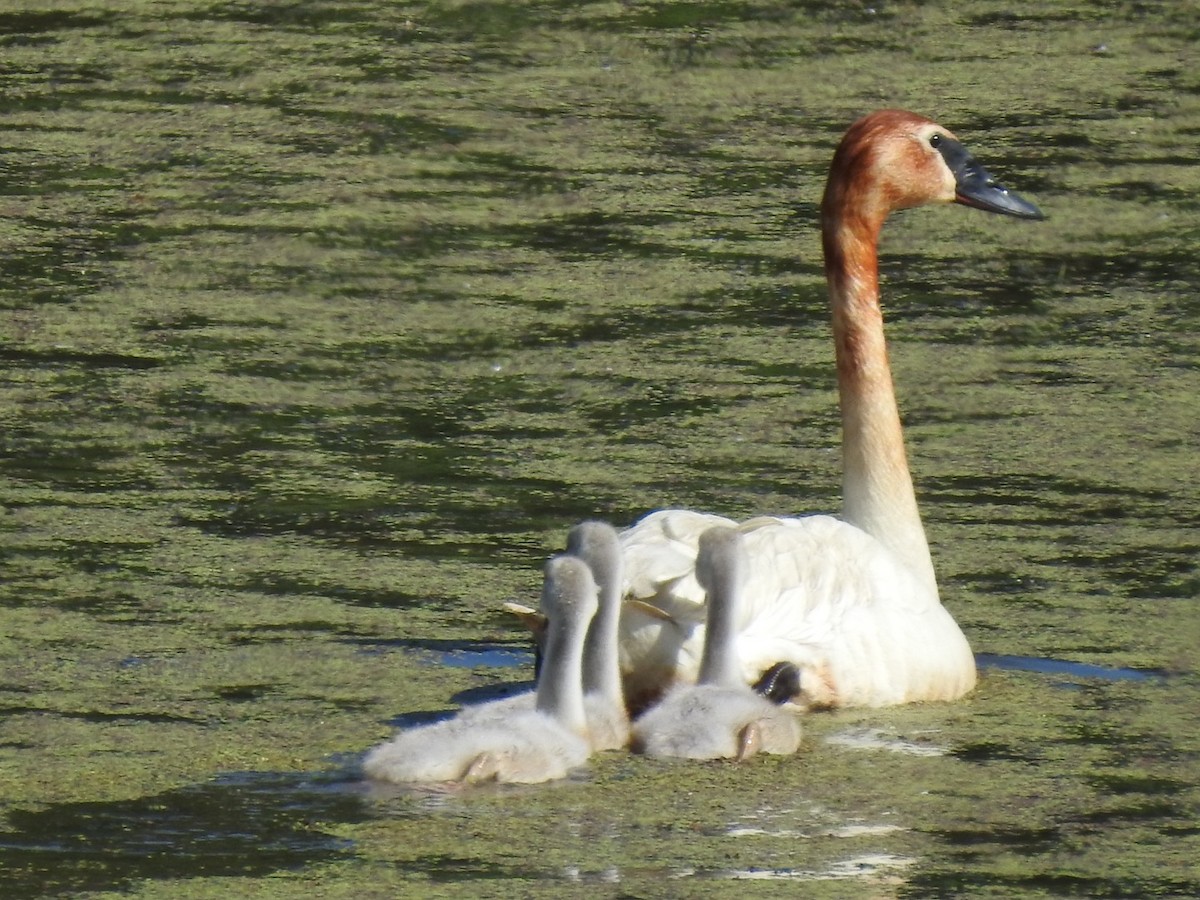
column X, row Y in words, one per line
column 863, row 629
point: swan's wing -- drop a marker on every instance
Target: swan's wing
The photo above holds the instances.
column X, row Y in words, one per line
column 822, row 594
column 815, row 566
column 660, row 560
column 864, row 628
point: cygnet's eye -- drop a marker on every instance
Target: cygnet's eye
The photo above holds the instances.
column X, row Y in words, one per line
column 935, row 140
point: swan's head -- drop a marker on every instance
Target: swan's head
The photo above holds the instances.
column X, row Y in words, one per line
column 894, row 159
column 569, row 593
column 721, row 560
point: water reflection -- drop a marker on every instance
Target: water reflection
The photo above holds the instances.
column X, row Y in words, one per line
column 245, row 824
column 1070, row 670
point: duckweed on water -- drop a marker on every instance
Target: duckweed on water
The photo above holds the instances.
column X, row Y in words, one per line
column 307, row 366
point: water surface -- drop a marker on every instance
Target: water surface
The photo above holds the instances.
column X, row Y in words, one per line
column 321, row 323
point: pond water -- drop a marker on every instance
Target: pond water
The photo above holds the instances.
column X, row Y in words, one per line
column 320, row 323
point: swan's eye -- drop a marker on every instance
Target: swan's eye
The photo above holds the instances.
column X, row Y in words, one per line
column 935, row 141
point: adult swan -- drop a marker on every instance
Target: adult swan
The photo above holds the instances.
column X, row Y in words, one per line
column 852, row 602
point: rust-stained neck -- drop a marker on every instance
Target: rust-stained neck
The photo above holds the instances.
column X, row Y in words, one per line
column 877, row 488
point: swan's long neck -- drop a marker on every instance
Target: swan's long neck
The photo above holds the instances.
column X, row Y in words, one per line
column 598, row 546
column 877, row 488
column 560, row 682
column 719, row 567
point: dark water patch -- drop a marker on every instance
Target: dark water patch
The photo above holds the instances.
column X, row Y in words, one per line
column 480, row 174
column 259, row 420
column 104, row 716
column 40, row 22
column 108, row 603
column 970, row 881
column 1062, row 667
column 705, row 15
column 1152, row 269
column 508, row 175
column 462, row 515
column 660, row 322
column 916, row 288
column 419, row 241
column 726, row 176
column 1031, row 18
column 1045, row 499
column 1149, row 190
column 69, row 462
column 1142, row 572
column 61, row 357
column 991, row 752
column 483, row 21
column 774, row 304
column 242, row 825
column 281, row 585
column 1030, row 840
column 1144, row 812
column 459, row 654
column 379, row 132
column 446, row 869
column 299, row 15
column 707, row 34
column 590, row 235
column 984, row 307
column 1101, row 732
column 244, row 693
column 310, row 367
column 1115, row 783
column 655, row 402
column 50, row 272
column 489, row 174
column 1030, row 590
column 453, row 653
column 492, row 657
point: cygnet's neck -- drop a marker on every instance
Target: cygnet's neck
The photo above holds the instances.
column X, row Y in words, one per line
column 721, row 570
column 597, row 544
column 569, row 602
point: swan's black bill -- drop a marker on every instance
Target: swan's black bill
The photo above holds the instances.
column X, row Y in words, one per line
column 975, row 187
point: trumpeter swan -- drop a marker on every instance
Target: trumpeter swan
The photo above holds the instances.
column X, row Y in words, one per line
column 719, row 716
column 517, row 744
column 597, row 544
column 852, row 602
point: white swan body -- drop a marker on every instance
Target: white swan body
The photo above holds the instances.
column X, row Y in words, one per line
column 853, row 602
column 719, row 717
column 820, row 594
column 512, row 742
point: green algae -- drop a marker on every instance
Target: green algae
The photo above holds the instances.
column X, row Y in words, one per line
column 307, row 365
